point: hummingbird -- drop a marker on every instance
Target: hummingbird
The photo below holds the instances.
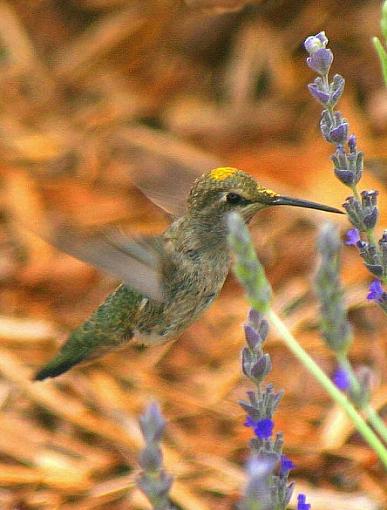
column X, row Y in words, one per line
column 167, row 280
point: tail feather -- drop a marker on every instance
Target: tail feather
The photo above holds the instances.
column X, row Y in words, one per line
column 57, row 366
column 107, row 329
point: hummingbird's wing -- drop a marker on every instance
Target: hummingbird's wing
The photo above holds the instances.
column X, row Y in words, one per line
column 168, row 187
column 161, row 166
column 139, row 263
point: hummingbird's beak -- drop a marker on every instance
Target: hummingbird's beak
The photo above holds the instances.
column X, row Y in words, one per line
column 295, row 202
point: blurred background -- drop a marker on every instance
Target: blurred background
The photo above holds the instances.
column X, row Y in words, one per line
column 91, row 90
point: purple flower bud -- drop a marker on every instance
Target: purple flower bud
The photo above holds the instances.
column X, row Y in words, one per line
column 337, row 89
column 252, row 337
column 249, row 422
column 260, row 466
column 157, row 488
column 376, row 291
column 348, row 166
column 315, row 42
column 301, row 502
column 345, row 176
column 152, row 423
column 355, row 213
column 286, row 465
column 370, row 219
column 340, row 158
column 352, row 143
column 375, row 269
column 262, row 367
column 322, row 38
column 264, row 329
column 150, row 458
column 328, row 241
column 259, row 470
column 264, row 428
column 250, row 410
column 320, row 61
column 254, row 318
column 369, row 198
column 383, row 240
column 383, row 249
column 335, row 130
column 341, row 379
column 326, row 124
column 248, row 359
column 321, row 95
column 353, row 237
column 339, row 133
column 370, row 211
column 372, row 259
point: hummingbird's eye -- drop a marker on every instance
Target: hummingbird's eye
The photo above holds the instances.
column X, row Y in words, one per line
column 235, row 199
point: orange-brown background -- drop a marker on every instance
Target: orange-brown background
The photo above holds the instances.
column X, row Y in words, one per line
column 209, row 76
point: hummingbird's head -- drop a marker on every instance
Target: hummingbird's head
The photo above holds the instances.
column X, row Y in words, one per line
column 226, row 189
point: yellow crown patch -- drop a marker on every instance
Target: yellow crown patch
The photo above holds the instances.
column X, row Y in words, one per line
column 222, row 173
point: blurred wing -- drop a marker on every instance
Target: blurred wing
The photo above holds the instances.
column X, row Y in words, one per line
column 162, row 167
column 168, row 188
column 137, row 262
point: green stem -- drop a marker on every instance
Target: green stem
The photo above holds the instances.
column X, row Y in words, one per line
column 382, row 54
column 329, row 387
column 376, row 421
column 355, row 192
column 373, row 417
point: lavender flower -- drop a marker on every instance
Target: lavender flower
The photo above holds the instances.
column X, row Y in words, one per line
column 301, row 503
column 266, row 489
column 341, row 378
column 369, row 208
column 376, row 291
column 247, row 267
column 257, row 494
column 320, row 58
column 255, row 364
column 355, row 213
column 334, row 324
column 347, row 160
column 154, row 480
column 372, row 259
column 263, row 429
column 383, row 252
column 286, row 465
column 352, row 237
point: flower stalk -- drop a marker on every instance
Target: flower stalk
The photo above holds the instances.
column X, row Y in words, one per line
column 241, row 244
column 154, row 481
column 368, row 434
column 348, row 163
column 381, row 47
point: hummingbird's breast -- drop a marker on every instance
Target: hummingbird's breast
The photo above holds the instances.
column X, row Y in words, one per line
column 199, row 274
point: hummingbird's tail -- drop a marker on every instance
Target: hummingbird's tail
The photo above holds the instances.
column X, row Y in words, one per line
column 78, row 348
column 57, row 366
column 109, row 328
